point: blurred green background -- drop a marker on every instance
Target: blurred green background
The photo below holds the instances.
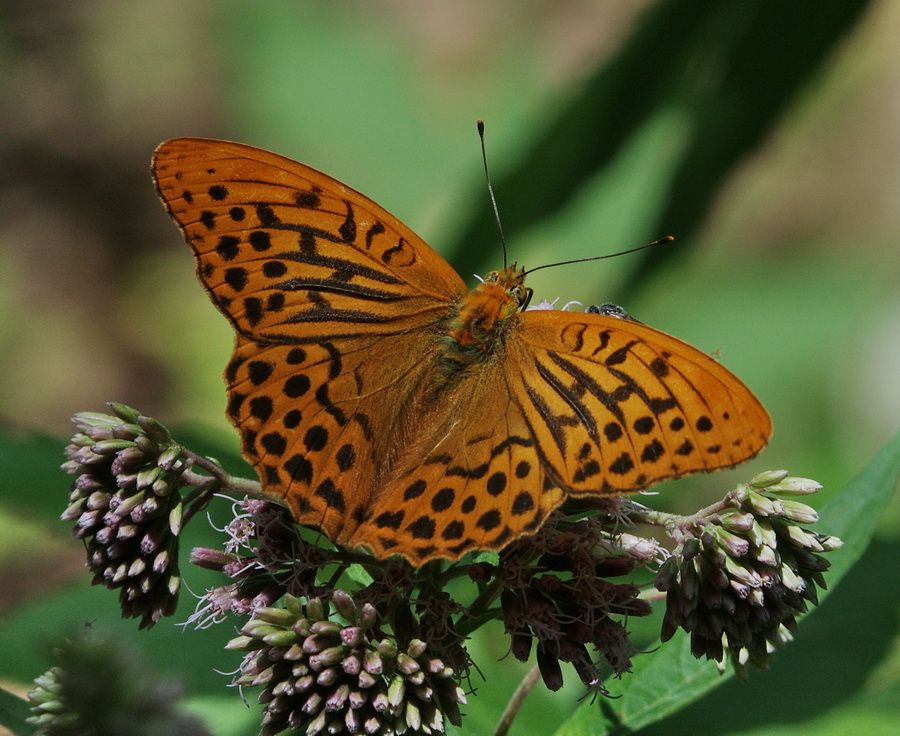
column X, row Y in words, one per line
column 764, row 136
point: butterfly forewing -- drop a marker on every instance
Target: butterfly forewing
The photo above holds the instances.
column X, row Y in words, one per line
column 290, row 254
column 620, row 406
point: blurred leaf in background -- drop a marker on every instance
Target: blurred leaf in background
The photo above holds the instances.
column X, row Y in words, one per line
column 762, row 135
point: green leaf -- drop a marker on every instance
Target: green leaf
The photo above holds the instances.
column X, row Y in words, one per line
column 358, row 574
column 665, row 681
column 854, row 514
column 492, row 557
column 731, row 70
column 13, row 712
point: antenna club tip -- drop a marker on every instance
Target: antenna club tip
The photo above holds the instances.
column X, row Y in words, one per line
column 480, row 124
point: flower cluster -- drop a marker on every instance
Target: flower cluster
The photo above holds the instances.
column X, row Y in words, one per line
column 389, row 656
column 739, row 581
column 342, row 674
column 127, row 507
column 98, row 687
column 265, row 556
column 556, row 592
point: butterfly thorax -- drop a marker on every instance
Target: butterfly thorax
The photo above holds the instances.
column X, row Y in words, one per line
column 474, row 332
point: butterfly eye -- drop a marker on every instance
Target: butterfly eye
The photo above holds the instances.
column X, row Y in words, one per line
column 519, row 293
column 528, row 293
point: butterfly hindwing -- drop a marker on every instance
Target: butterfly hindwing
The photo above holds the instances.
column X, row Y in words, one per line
column 471, row 479
column 320, row 421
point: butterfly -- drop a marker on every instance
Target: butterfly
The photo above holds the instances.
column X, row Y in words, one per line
column 392, row 407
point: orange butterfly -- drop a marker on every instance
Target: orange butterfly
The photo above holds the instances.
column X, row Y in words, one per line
column 392, row 407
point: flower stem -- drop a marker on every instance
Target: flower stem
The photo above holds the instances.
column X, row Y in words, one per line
column 205, row 486
column 476, row 611
column 229, row 483
column 679, row 527
column 516, row 701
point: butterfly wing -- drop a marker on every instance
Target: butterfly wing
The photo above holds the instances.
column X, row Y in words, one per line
column 334, row 302
column 571, row 405
column 289, row 254
column 619, row 406
column 471, row 479
column 320, row 422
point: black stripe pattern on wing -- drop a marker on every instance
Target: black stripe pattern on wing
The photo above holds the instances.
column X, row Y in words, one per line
column 610, row 400
column 571, row 396
column 341, row 265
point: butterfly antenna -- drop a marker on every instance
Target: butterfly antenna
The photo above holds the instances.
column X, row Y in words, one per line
column 661, row 241
column 491, row 189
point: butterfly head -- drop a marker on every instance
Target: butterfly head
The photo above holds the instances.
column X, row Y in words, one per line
column 482, row 317
column 511, row 280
